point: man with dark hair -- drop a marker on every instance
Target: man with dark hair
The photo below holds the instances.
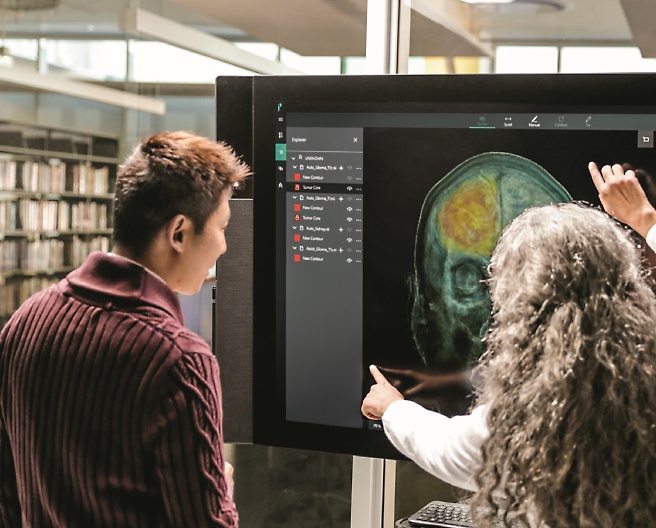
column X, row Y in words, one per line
column 110, row 409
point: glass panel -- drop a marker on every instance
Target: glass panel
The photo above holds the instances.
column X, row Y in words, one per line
column 415, row 488
column 288, row 488
column 22, row 48
column 95, row 59
column 311, row 65
column 604, row 60
column 526, row 59
column 163, row 63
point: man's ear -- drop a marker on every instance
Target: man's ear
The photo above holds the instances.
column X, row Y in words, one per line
column 177, row 232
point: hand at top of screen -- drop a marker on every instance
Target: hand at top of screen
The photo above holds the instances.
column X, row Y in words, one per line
column 380, row 397
column 623, row 197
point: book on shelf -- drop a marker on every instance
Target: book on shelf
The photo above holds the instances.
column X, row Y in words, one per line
column 9, row 255
column 55, row 202
column 9, row 219
column 22, row 256
column 55, row 177
column 84, row 178
column 13, row 294
column 43, row 177
column 7, row 174
column 80, row 248
column 28, row 214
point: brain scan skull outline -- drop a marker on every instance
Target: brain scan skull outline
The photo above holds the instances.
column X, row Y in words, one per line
column 460, row 221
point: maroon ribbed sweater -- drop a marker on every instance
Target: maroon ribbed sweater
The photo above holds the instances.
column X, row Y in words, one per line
column 110, row 410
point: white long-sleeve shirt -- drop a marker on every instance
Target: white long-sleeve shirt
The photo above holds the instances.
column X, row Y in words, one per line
column 449, row 448
column 651, row 237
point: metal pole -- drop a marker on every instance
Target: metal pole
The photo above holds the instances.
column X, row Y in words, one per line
column 372, row 493
column 388, row 36
column 387, row 51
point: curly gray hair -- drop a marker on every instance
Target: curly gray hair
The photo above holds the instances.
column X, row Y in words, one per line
column 569, row 375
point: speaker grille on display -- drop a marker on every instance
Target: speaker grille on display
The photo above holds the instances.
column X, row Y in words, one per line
column 232, row 339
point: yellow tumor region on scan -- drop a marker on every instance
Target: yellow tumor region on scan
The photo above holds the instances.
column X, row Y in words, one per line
column 469, row 218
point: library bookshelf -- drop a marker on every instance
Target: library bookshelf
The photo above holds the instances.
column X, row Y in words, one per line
column 56, row 192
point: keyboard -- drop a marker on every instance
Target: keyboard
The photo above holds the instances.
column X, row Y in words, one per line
column 445, row 514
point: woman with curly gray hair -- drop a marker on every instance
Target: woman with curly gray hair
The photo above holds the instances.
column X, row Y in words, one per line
column 569, row 375
column 563, row 433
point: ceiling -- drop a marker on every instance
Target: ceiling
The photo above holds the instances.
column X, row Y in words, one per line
column 338, row 27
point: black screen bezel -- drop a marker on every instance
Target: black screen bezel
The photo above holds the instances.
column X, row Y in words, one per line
column 248, row 107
